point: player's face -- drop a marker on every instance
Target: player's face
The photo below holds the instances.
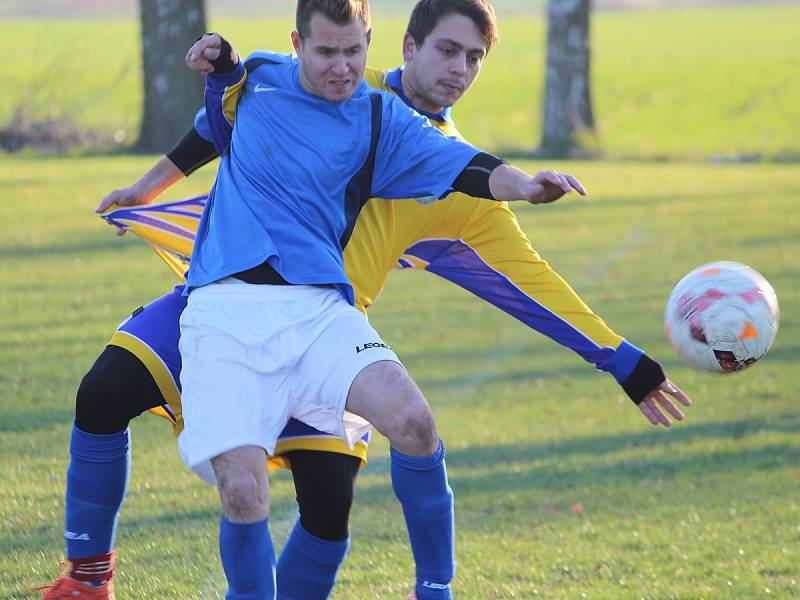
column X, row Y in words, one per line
column 442, row 69
column 332, row 57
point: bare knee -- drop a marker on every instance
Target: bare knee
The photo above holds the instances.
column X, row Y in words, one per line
column 385, row 395
column 242, row 483
column 416, row 428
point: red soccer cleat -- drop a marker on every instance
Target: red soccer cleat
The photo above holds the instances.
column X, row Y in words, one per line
column 67, row 588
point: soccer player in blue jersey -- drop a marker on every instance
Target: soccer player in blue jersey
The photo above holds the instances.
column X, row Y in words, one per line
column 270, row 331
column 443, row 50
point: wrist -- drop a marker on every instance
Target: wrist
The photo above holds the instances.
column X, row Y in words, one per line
column 142, row 192
column 646, row 376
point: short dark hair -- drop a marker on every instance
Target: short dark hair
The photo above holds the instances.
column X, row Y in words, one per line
column 340, row 12
column 427, row 14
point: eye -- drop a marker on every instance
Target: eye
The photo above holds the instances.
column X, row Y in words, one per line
column 446, row 51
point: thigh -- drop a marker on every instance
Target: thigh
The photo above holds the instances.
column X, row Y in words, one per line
column 385, row 395
column 151, row 334
column 340, row 347
column 234, row 390
column 116, row 389
column 156, row 327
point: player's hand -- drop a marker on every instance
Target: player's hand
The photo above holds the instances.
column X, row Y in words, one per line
column 204, row 50
column 129, row 196
column 549, row 186
column 658, row 406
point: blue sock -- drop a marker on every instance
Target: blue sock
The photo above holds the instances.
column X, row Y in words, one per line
column 97, row 479
column 308, row 565
column 420, row 483
column 248, row 559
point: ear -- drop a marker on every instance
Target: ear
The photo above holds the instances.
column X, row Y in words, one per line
column 369, row 37
column 409, row 46
column 297, row 43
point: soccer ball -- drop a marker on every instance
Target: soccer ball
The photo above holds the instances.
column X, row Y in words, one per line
column 722, row 317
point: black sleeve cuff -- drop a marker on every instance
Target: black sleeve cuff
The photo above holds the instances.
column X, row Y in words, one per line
column 192, row 152
column 223, row 63
column 474, row 179
column 646, row 376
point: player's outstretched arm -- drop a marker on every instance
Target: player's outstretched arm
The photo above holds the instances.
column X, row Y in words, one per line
column 189, row 154
column 507, row 182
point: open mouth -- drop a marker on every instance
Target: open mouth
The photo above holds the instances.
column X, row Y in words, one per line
column 339, row 84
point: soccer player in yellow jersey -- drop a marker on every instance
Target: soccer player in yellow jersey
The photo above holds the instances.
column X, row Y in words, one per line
column 477, row 244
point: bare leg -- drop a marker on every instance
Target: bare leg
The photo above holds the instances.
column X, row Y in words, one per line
column 385, row 395
column 245, row 546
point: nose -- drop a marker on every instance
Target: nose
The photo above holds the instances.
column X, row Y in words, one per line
column 458, row 66
column 339, row 66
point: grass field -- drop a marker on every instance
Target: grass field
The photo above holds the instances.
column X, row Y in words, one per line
column 563, row 490
column 689, row 83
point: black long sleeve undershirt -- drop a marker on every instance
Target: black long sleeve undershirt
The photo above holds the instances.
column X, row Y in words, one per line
column 192, row 152
column 474, row 179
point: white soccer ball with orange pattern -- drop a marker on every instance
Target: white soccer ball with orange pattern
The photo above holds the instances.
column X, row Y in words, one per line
column 722, row 317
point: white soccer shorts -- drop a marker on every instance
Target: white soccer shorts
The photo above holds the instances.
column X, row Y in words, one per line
column 255, row 355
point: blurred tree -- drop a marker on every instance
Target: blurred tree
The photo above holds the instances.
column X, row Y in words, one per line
column 568, row 124
column 172, row 93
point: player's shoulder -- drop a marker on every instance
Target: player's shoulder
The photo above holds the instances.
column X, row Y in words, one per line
column 448, row 128
column 262, row 58
column 376, row 79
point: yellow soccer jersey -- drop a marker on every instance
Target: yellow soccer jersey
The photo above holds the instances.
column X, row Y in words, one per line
column 476, row 244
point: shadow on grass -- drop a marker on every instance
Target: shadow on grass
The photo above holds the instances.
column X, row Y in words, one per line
column 558, row 473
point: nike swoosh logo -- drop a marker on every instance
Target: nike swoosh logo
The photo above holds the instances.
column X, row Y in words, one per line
column 263, row 88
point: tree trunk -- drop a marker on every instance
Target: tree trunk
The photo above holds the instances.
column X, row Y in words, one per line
column 172, row 93
column 568, row 118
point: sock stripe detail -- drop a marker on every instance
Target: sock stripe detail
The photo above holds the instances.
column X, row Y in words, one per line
column 93, row 568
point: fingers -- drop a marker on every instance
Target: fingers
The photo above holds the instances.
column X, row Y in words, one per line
column 553, row 178
column 106, row 203
column 552, row 185
column 576, row 185
column 668, row 406
column 652, row 413
column 202, row 52
column 674, row 391
column 658, row 407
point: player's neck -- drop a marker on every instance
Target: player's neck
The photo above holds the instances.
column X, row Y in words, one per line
column 419, row 101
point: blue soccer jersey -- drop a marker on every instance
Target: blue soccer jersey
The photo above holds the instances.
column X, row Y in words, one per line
column 296, row 170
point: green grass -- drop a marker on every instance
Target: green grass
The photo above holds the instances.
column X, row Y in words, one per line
column 683, row 83
column 563, row 490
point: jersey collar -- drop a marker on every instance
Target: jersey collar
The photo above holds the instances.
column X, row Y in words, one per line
column 394, row 81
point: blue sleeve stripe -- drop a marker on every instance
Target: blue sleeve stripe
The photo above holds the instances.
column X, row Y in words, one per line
column 458, row 262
